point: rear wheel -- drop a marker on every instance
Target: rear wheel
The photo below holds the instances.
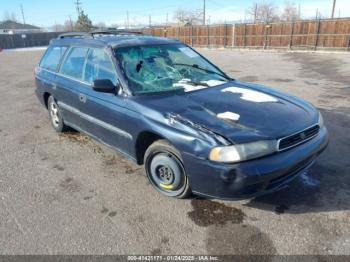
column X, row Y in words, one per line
column 55, row 115
column 165, row 170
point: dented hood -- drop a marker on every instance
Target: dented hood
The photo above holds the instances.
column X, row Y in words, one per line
column 238, row 111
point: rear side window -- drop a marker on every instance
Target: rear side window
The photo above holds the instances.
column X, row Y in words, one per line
column 52, row 57
column 74, row 63
column 99, row 66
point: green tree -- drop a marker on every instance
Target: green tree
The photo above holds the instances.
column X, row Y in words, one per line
column 83, row 23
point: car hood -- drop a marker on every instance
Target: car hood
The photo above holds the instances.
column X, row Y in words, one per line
column 240, row 112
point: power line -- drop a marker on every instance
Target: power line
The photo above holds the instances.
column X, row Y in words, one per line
column 145, row 12
column 218, row 4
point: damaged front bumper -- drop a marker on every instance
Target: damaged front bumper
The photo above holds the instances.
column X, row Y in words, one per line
column 255, row 177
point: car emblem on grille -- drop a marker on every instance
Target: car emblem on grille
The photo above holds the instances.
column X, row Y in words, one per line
column 302, row 135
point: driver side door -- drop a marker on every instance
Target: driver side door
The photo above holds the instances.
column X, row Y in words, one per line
column 104, row 115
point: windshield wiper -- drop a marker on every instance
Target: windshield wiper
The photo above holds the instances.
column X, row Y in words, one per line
column 162, row 91
column 204, row 69
column 196, row 83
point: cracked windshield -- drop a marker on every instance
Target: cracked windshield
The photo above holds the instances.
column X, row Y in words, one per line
column 151, row 69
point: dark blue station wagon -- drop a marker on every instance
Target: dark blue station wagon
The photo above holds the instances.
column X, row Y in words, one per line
column 162, row 104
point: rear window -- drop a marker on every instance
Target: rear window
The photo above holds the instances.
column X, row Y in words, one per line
column 52, row 57
column 74, row 63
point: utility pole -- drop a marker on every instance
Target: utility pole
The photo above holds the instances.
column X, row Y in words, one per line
column 204, row 11
column 78, row 6
column 24, row 21
column 167, row 20
column 127, row 20
column 150, row 21
column 334, row 1
column 255, row 12
column 299, row 14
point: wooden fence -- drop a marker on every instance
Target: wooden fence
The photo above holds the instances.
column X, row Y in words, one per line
column 313, row 34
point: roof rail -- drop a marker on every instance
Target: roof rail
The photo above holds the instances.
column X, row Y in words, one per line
column 98, row 32
column 115, row 32
column 74, row 35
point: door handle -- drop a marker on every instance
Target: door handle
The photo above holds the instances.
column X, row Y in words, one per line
column 82, row 98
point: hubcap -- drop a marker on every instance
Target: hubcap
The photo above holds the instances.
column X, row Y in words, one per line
column 54, row 114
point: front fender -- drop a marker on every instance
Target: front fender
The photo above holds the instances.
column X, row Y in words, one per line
column 185, row 138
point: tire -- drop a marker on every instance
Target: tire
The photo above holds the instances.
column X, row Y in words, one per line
column 55, row 115
column 165, row 170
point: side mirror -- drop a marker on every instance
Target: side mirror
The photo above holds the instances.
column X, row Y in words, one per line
column 105, row 86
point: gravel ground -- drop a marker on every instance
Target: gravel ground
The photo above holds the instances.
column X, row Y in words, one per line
column 65, row 194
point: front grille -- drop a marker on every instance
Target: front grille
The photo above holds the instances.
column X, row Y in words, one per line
column 298, row 138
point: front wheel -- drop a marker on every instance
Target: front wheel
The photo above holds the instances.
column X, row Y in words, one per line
column 165, row 170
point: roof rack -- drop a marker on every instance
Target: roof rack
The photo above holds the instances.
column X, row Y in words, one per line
column 74, row 35
column 98, row 32
column 115, row 32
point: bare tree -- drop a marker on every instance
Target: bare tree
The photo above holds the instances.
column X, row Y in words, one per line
column 10, row 16
column 100, row 25
column 68, row 26
column 252, row 11
column 263, row 12
column 190, row 17
column 58, row 27
column 290, row 12
column 114, row 25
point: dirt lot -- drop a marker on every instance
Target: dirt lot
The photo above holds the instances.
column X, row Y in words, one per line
column 65, row 194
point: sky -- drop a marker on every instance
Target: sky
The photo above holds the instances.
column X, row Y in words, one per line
column 46, row 13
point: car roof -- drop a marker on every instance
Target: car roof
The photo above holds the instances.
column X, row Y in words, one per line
column 114, row 41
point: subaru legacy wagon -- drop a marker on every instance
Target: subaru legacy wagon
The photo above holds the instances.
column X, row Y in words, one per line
column 162, row 104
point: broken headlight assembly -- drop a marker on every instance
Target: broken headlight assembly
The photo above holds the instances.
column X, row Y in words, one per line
column 241, row 152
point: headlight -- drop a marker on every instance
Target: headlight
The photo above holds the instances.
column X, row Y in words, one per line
column 320, row 120
column 241, row 152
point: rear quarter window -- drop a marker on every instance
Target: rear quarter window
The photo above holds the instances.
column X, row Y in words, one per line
column 52, row 57
column 73, row 65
